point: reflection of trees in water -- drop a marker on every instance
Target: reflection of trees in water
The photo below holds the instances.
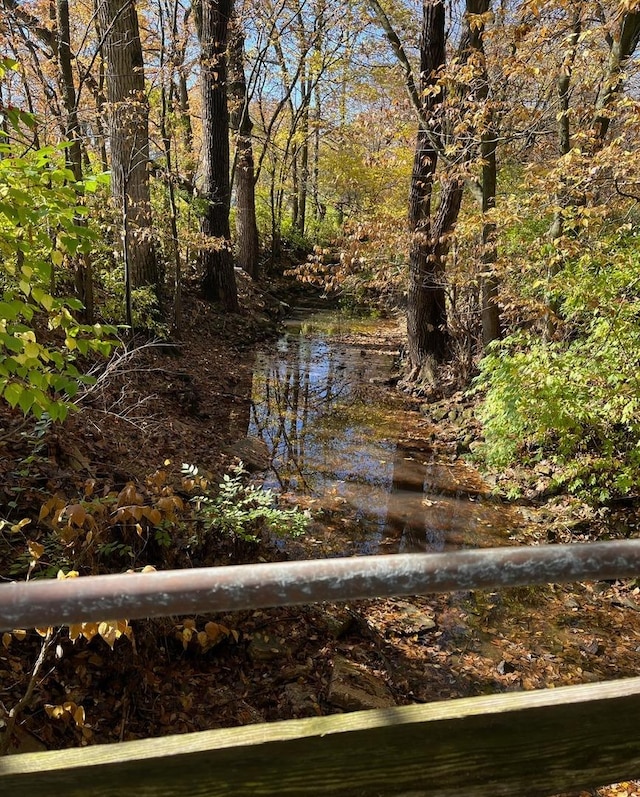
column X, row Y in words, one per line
column 407, row 528
column 290, row 398
column 316, row 410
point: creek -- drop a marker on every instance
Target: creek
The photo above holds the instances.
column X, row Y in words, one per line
column 357, row 452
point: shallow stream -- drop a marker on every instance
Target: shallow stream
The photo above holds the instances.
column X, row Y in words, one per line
column 357, row 452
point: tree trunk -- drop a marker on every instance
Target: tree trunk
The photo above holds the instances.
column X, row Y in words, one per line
column 82, row 265
column 474, row 41
column 166, row 100
column 491, row 325
column 218, row 283
column 426, row 307
column 180, row 96
column 564, row 127
column 303, row 185
column 623, row 46
column 129, row 135
column 248, row 245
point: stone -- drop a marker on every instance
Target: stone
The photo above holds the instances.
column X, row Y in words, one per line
column 402, row 618
column 337, row 621
column 253, row 452
column 302, row 699
column 438, row 413
column 352, row 688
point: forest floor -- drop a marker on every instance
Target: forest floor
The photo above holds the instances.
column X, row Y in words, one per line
column 164, row 406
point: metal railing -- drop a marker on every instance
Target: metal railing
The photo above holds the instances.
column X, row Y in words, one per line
column 534, row 743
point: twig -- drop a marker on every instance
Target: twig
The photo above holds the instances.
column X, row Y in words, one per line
column 16, row 711
column 625, row 193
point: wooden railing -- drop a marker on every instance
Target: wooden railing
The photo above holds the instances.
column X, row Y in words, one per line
column 523, row 743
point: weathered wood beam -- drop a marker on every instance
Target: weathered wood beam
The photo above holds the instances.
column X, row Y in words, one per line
column 519, row 743
column 221, row 589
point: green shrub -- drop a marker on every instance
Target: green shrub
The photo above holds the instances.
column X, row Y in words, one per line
column 575, row 400
column 39, row 229
column 243, row 511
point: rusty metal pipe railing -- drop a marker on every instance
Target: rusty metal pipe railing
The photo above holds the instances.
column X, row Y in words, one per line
column 222, row 589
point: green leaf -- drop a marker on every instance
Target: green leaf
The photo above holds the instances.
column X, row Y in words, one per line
column 25, row 401
column 43, row 298
column 12, row 393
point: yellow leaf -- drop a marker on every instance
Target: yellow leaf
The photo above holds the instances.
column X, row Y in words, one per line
column 77, row 514
column 71, row 574
column 52, row 504
column 32, row 350
column 55, row 712
column 89, row 630
column 79, row 716
column 44, row 631
column 19, row 526
column 75, row 631
column 19, row 634
column 154, row 516
column 35, row 549
column 108, row 633
column 216, row 632
column 6, row 640
column 166, row 504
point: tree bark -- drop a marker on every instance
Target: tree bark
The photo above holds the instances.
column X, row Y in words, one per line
column 129, row 135
column 83, row 277
column 473, row 46
column 564, row 126
column 218, row 283
column 426, row 305
column 623, row 46
column 248, row 244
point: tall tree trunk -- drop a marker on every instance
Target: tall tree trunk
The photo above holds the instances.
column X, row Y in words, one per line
column 303, row 125
column 473, row 39
column 314, row 171
column 180, row 94
column 248, row 245
column 303, row 184
column 490, row 310
column 564, row 125
column 426, row 307
column 623, row 45
column 166, row 101
column 82, row 265
column 219, row 282
column 129, row 136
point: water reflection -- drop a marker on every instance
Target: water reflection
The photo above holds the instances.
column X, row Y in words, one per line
column 336, row 437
